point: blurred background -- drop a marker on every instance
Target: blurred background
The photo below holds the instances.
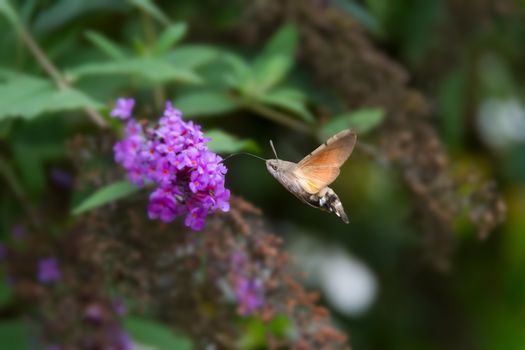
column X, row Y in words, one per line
column 434, row 255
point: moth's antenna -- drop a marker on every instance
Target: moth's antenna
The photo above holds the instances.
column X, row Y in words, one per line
column 245, row 153
column 273, row 148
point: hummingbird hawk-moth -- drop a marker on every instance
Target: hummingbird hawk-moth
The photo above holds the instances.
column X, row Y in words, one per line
column 308, row 180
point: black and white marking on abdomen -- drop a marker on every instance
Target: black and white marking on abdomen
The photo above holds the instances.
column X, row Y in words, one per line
column 329, row 201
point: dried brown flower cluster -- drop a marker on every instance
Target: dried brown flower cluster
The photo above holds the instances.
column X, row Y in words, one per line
column 73, row 310
column 364, row 76
column 187, row 277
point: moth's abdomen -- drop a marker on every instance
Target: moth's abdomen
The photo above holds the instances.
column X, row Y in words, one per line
column 329, row 201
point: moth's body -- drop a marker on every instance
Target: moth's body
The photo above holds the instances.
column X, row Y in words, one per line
column 325, row 199
column 308, row 180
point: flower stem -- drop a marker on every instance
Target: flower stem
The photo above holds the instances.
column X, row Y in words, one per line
column 148, row 26
column 280, row 118
column 55, row 74
column 283, row 119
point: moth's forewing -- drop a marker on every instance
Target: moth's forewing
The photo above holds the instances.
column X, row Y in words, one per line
column 321, row 167
column 334, row 151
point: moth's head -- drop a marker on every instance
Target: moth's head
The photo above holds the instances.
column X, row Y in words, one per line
column 273, row 166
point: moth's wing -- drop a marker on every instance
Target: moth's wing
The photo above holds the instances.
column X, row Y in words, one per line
column 321, row 167
column 314, row 179
column 333, row 152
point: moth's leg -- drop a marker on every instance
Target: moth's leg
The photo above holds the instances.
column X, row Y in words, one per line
column 326, row 198
column 322, row 196
column 314, row 200
column 319, row 199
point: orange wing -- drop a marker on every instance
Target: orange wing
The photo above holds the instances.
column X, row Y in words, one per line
column 321, row 167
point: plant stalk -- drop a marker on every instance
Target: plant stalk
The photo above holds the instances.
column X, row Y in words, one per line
column 280, row 118
column 55, row 74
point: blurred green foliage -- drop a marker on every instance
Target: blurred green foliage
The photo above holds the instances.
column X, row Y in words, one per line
column 152, row 334
column 105, row 195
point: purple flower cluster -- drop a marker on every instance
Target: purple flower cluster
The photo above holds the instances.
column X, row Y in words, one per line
column 173, row 155
column 249, row 293
column 48, row 270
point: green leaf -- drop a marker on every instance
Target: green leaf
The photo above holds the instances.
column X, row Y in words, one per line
column 105, row 45
column 283, row 42
column 222, row 142
column 289, row 93
column 28, row 97
column 362, row 121
column 153, row 10
column 155, row 70
column 59, row 13
column 255, row 331
column 290, row 100
column 237, row 63
column 275, row 61
column 156, row 335
column 15, row 335
column 6, row 125
column 241, row 73
column 205, row 103
column 173, row 34
column 27, row 10
column 270, row 71
column 281, row 327
column 361, row 13
column 106, row 195
column 254, row 335
column 192, row 56
column 10, row 13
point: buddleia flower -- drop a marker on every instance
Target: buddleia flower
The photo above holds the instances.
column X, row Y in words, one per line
column 172, row 155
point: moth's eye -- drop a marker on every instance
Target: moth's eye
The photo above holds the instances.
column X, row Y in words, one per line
column 274, row 167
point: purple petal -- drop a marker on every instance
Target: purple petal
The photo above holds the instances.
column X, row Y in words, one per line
column 123, row 108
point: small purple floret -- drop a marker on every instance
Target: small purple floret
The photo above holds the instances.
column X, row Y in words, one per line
column 173, row 155
column 123, row 108
column 119, row 307
column 249, row 293
column 48, row 270
column 94, row 313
